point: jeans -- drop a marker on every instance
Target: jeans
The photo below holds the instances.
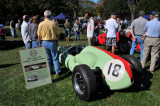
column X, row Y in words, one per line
column 52, row 55
column 13, row 32
column 67, row 32
column 134, row 45
column 28, row 45
column 97, row 34
column 77, row 34
column 35, row 44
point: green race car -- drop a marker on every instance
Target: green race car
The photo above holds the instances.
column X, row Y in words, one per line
column 92, row 65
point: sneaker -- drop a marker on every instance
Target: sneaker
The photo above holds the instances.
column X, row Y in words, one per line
column 55, row 76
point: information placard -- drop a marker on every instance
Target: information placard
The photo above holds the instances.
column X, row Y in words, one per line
column 35, row 67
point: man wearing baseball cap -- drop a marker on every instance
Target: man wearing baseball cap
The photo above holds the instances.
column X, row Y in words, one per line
column 152, row 41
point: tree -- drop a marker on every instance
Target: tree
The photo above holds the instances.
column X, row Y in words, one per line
column 132, row 4
column 87, row 6
column 99, row 8
column 75, row 5
column 118, row 6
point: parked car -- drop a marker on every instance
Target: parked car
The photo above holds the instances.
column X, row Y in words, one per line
column 7, row 31
column 123, row 42
column 32, row 78
column 92, row 66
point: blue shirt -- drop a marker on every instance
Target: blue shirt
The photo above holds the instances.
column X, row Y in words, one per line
column 153, row 28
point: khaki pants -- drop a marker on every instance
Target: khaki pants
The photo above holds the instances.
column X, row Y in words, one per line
column 151, row 45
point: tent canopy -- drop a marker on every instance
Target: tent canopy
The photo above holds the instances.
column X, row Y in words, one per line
column 61, row 16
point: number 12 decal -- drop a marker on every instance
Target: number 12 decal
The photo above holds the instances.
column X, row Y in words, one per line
column 114, row 70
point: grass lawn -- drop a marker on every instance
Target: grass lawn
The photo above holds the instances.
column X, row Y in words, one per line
column 146, row 92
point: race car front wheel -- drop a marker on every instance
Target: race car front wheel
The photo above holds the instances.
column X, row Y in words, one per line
column 84, row 82
column 135, row 64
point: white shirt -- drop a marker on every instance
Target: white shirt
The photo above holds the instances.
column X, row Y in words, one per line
column 90, row 27
column 111, row 26
column 24, row 31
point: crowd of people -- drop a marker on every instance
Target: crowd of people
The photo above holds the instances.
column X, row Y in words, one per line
column 36, row 34
column 145, row 32
column 88, row 23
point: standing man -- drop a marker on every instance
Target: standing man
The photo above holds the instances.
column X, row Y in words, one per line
column 137, row 30
column 30, row 20
column 76, row 28
column 96, row 28
column 25, row 32
column 33, row 27
column 151, row 16
column 90, row 29
column 19, row 27
column 111, row 36
column 67, row 27
column 12, row 26
column 48, row 37
column 126, row 22
column 152, row 41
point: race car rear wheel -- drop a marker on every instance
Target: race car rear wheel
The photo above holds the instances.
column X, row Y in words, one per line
column 135, row 64
column 124, row 46
column 84, row 82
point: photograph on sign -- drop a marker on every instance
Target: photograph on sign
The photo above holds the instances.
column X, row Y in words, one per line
column 35, row 66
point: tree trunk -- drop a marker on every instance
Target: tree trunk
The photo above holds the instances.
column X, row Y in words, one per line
column 75, row 15
column 74, row 9
column 132, row 10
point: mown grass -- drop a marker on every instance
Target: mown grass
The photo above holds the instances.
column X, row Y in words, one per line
column 146, row 92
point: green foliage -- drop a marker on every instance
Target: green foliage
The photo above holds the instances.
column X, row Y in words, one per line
column 148, row 6
column 118, row 6
column 87, row 6
column 17, row 8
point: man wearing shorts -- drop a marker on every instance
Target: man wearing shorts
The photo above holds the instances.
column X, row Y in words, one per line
column 111, row 36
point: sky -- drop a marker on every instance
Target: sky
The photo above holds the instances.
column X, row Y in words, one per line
column 95, row 1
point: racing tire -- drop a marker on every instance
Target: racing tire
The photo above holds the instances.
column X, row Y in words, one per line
column 84, row 82
column 135, row 65
column 124, row 46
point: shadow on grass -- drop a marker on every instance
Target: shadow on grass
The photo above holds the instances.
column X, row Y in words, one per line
column 141, row 84
column 7, row 45
column 65, row 73
column 7, row 65
column 158, row 67
column 102, row 93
